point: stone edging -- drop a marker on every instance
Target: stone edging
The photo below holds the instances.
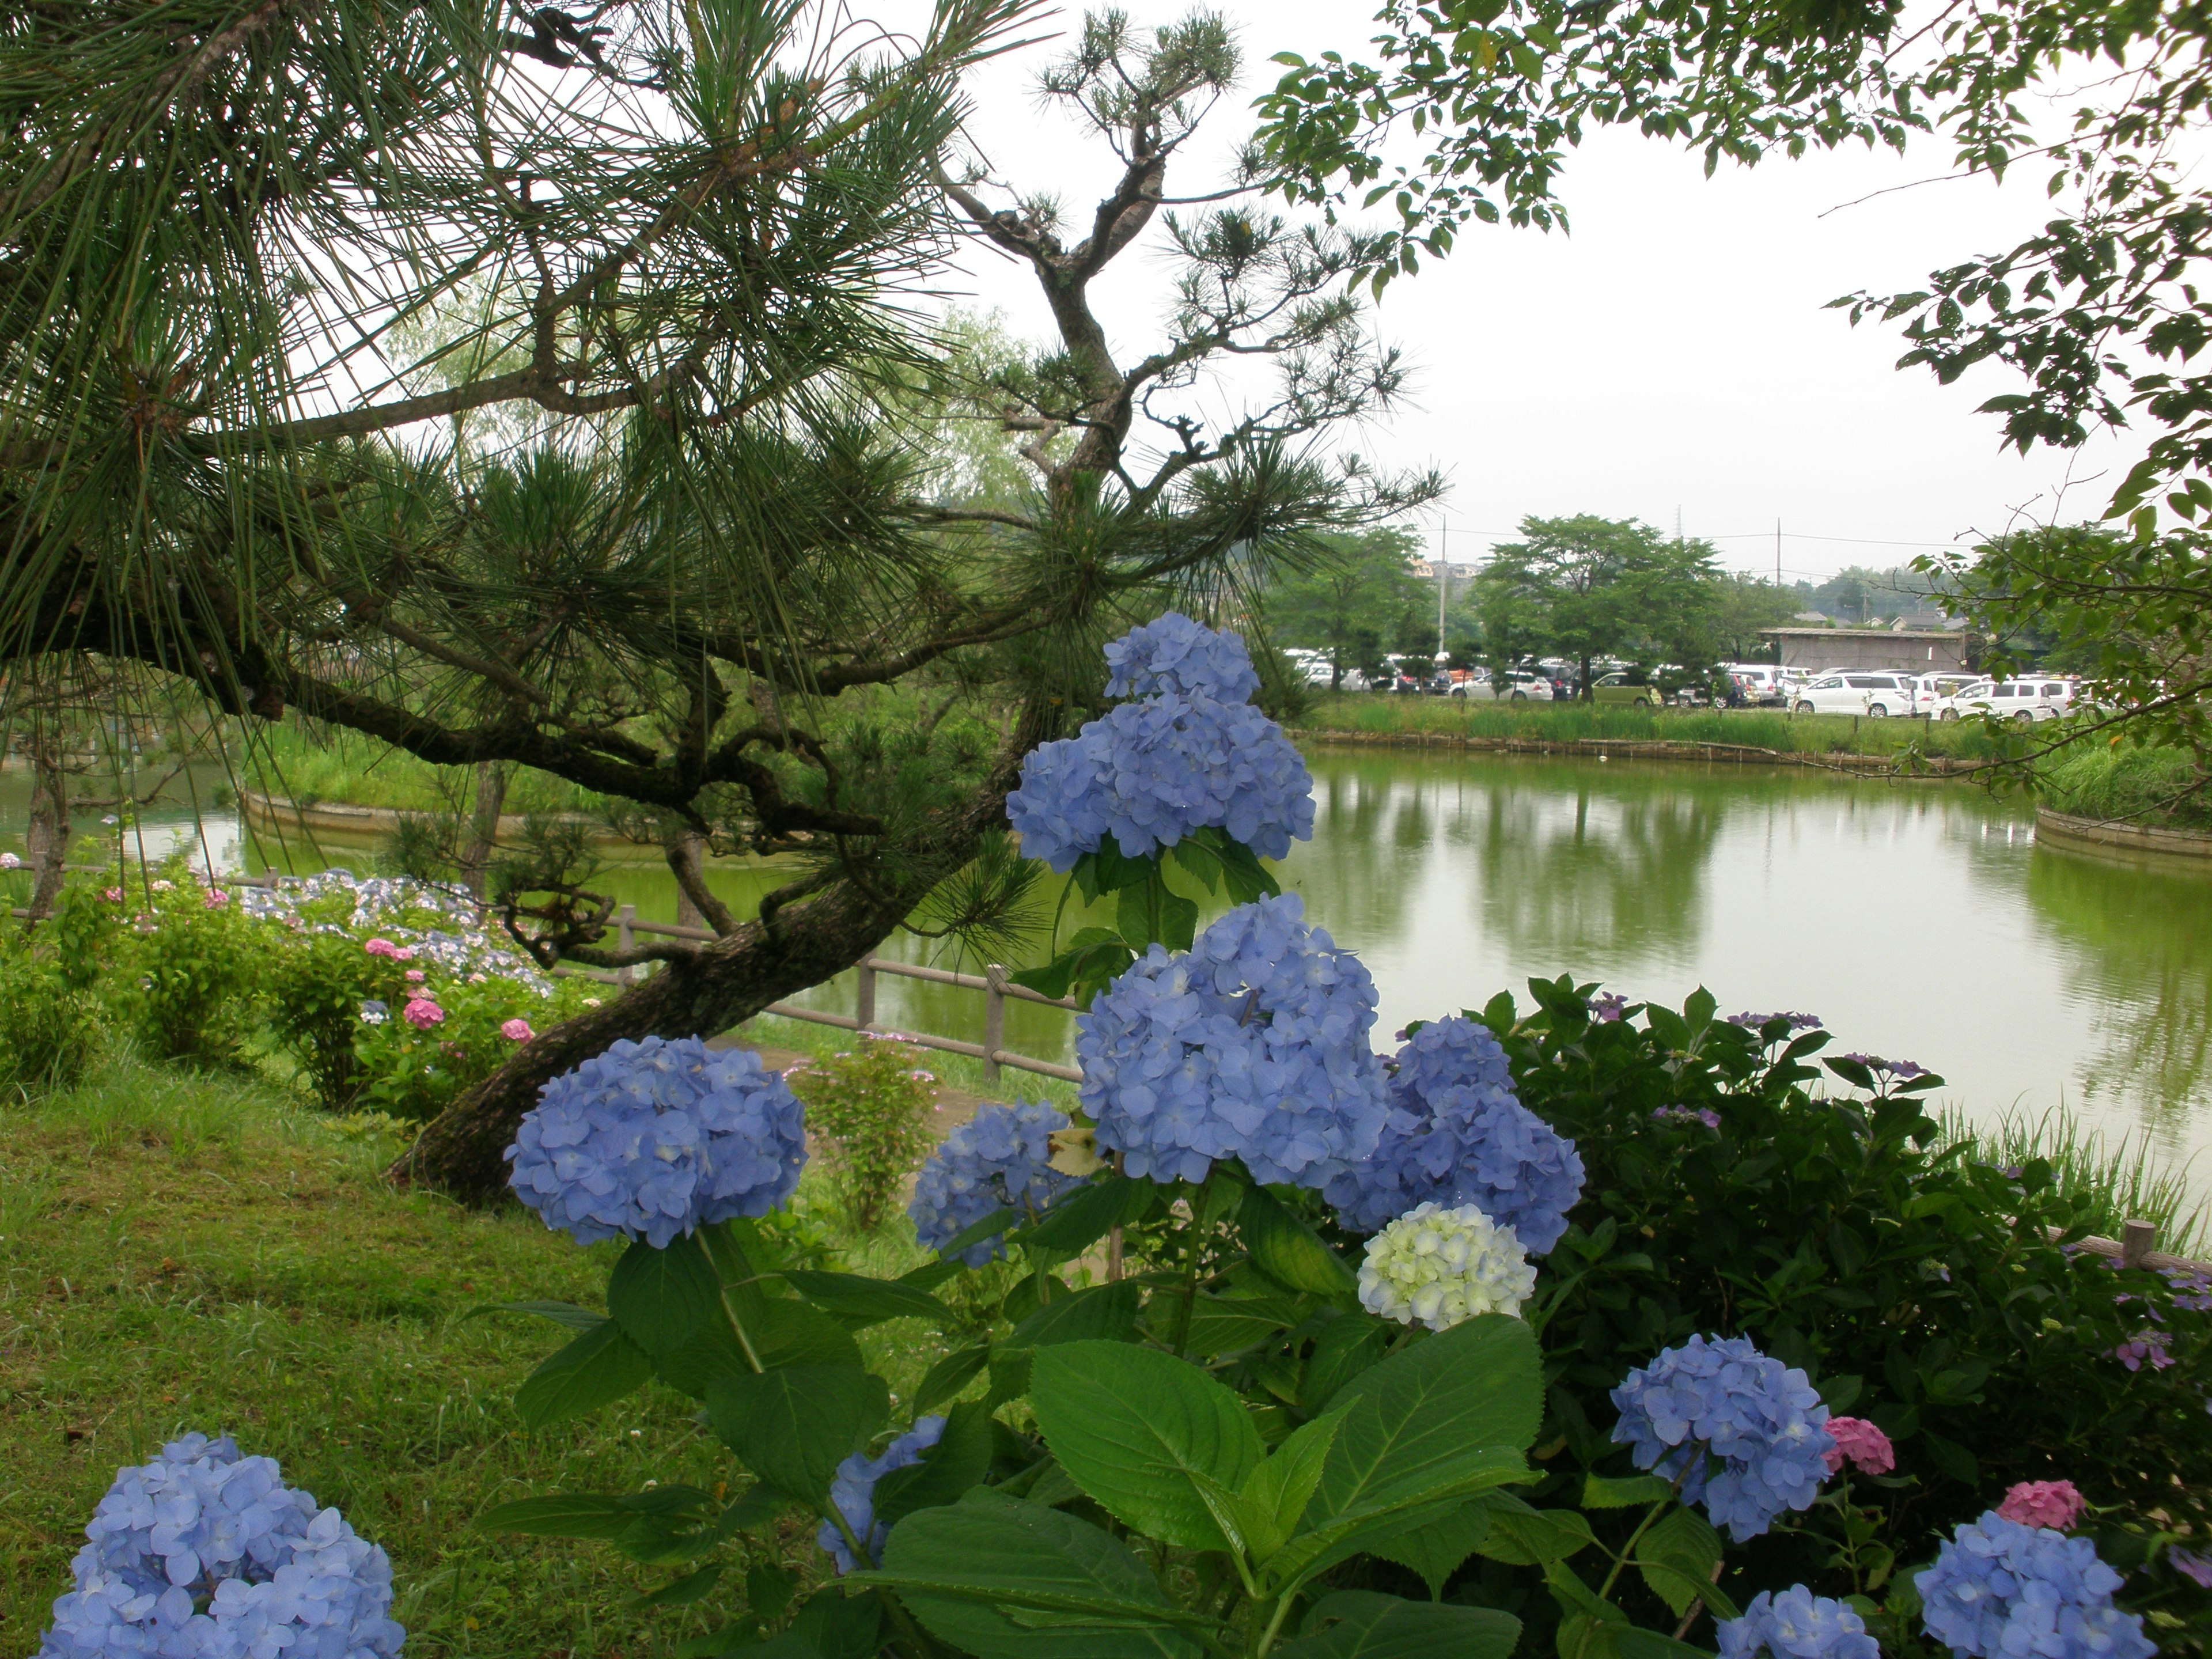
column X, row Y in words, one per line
column 1934, row 766
column 2063, row 829
column 341, row 818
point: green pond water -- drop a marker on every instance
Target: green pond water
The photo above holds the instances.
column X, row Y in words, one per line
column 1921, row 921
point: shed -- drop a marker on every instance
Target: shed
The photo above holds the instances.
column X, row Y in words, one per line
column 1917, row 651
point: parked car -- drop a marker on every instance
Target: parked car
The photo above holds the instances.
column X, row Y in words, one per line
column 1853, row 692
column 1623, row 687
column 1934, row 688
column 1522, row 685
column 1765, row 685
column 2025, row 700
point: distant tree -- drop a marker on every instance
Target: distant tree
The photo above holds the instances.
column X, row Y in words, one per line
column 1586, row 588
column 1358, row 592
column 1744, row 608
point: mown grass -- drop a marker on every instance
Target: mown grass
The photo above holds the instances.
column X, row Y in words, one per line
column 182, row 1253
column 2129, row 783
column 1570, row 722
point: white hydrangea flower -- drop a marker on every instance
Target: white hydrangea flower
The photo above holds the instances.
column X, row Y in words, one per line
column 1440, row 1267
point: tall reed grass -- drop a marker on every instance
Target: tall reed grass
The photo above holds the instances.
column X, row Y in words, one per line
column 2120, row 1180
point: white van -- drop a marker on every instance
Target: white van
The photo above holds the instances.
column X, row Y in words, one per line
column 1856, row 691
column 2027, row 699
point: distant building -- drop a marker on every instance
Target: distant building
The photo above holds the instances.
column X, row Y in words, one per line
column 1919, row 651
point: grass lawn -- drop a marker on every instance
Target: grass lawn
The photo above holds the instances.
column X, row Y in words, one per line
column 1760, row 728
column 180, row 1253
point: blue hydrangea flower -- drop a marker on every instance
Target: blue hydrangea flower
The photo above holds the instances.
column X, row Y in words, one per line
column 854, row 1493
column 999, row 1160
column 1724, row 1400
column 204, row 1554
column 653, row 1138
column 1797, row 1624
column 1455, row 1135
column 2002, row 1590
column 1151, row 772
column 1253, row 1045
column 1178, row 655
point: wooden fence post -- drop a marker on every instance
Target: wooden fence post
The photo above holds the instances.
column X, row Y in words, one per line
column 625, row 942
column 865, row 1009
column 2137, row 1240
column 994, row 1019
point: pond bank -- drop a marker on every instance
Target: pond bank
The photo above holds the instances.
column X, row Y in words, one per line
column 1921, row 766
column 2105, row 834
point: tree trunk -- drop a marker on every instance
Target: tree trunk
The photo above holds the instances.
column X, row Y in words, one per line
column 706, row 993
column 48, row 840
column 483, row 825
column 690, row 850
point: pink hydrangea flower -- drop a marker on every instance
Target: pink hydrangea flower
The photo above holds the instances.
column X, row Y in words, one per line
column 114, row 895
column 422, row 1013
column 517, row 1030
column 1867, row 1446
column 216, row 899
column 414, row 975
column 9, row 861
column 381, row 947
column 2053, row 1503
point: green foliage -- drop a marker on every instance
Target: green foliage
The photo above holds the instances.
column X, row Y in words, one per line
column 2132, row 783
column 872, row 1105
column 50, row 1029
column 1354, row 602
column 189, row 967
column 413, row 1072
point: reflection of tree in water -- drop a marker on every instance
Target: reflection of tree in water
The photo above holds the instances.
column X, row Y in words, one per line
column 1575, row 866
column 1611, row 873
column 2137, row 941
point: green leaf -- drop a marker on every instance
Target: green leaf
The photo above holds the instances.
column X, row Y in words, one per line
column 1231, row 1324
column 1602, row 1493
column 1195, row 853
column 1099, row 1313
column 960, row 1459
column 560, row 1515
column 1464, row 1403
column 664, row 1298
column 1276, row 1494
column 1524, row 1537
column 561, row 1313
column 1290, row 1253
column 1435, row 1551
column 861, row 1301
column 1634, row 1642
column 1345, row 1347
column 1085, row 1216
column 1364, row 1625
column 1133, row 1427
column 1003, row 1579
column 793, row 1426
column 663, row 1539
column 1677, row 1557
column 596, row 1369
column 983, row 1227
column 692, row 1587
column 781, row 1331
column 1246, row 877
column 949, row 1376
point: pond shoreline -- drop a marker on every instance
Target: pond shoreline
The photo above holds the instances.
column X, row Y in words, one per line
column 2107, row 834
column 1926, row 766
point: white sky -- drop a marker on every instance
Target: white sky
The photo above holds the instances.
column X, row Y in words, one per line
column 1672, row 354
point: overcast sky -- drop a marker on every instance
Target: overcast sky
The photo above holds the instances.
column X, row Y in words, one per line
column 1671, row 355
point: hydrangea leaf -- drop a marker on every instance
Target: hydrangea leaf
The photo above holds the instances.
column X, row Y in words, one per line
column 692, row 1587
column 1678, row 1558
column 949, row 1376
column 1290, row 1253
column 1000, row 1578
column 793, row 1426
column 1366, row 1625
column 1346, row 1346
column 560, row 1515
column 1132, row 1425
column 860, row 1301
column 958, row 1462
column 1223, row 1324
column 1089, row 1213
column 1601, row 1492
column 1434, row 1551
column 1522, row 1536
column 1103, row 1313
column 595, row 1370
column 663, row 1299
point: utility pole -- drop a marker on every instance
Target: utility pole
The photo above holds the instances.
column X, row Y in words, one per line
column 1777, row 587
column 1443, row 581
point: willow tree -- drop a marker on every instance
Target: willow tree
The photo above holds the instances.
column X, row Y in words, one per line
column 272, row 271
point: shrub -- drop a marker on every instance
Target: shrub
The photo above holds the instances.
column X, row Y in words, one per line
column 189, row 968
column 415, row 1064
column 319, row 984
column 49, row 1025
column 872, row 1106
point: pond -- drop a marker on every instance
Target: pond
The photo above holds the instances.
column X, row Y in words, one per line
column 1921, row 921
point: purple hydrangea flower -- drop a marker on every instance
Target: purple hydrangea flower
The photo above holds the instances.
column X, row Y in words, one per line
column 999, row 1159
column 1891, row 1071
column 2198, row 1569
column 1608, row 1009
column 1252, row 1045
column 204, row 1554
column 654, row 1138
column 853, row 1493
column 1725, row 1400
column 1153, row 771
column 1705, row 1115
column 1455, row 1135
column 1796, row 1022
column 1797, row 1624
column 1175, row 655
column 2000, row 1589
